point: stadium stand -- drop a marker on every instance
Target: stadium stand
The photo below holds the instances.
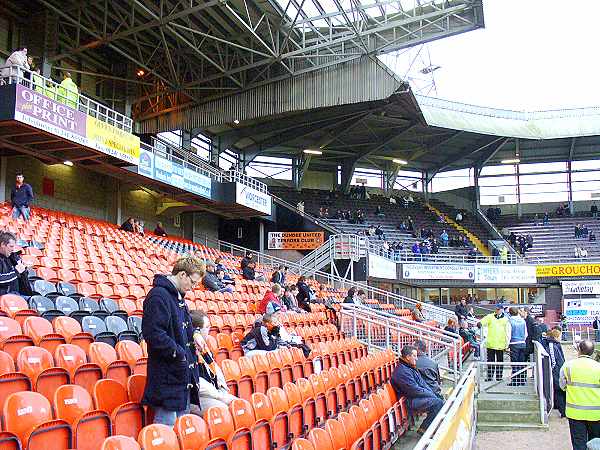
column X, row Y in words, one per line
column 72, row 376
column 555, row 241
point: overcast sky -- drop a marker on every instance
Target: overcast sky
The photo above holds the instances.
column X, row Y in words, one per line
column 531, row 55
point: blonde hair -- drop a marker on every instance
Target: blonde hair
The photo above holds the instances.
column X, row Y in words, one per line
column 554, row 333
column 276, row 288
column 190, row 265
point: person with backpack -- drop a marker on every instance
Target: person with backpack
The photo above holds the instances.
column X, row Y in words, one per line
column 271, row 303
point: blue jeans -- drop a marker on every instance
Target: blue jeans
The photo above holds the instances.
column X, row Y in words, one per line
column 20, row 211
column 429, row 405
column 167, row 417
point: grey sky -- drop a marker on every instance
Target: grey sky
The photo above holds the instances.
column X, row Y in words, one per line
column 532, row 55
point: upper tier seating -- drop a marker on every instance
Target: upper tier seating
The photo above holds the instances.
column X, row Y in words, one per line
column 555, row 241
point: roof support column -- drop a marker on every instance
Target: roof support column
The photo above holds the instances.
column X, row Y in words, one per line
column 476, row 199
column 425, row 179
column 348, row 167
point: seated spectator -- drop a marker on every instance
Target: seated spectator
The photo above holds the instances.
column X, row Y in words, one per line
column 584, row 231
column 428, row 368
column 271, row 303
column 249, row 273
column 159, row 230
column 592, row 236
column 379, row 212
column 246, row 260
column 300, row 207
column 546, row 220
column 219, row 264
column 469, row 336
column 379, row 232
column 408, row 382
column 326, row 213
column 262, row 338
column 577, row 252
column 279, row 275
column 583, row 253
column 462, row 310
column 360, row 216
column 212, row 282
column 139, row 226
column 594, row 210
column 13, row 272
column 340, row 214
column 444, row 238
column 560, row 211
column 305, row 294
column 416, row 249
column 417, row 313
column 128, row 225
column 451, row 326
column 410, row 224
column 529, row 240
column 225, row 279
column 321, row 212
column 212, row 387
column 371, row 230
column 289, row 298
column 392, row 201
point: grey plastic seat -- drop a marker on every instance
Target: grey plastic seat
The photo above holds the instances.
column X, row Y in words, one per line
column 66, row 304
column 93, row 325
column 88, row 304
column 41, row 304
column 44, row 287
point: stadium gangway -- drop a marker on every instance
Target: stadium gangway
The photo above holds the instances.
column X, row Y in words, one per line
column 338, row 247
column 52, row 90
column 431, row 312
column 380, row 331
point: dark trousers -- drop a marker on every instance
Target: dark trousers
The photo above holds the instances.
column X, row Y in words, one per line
column 560, row 400
column 494, row 356
column 583, row 431
column 518, row 354
column 429, row 405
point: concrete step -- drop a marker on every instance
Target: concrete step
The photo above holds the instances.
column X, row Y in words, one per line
column 495, row 426
column 507, row 402
column 508, row 416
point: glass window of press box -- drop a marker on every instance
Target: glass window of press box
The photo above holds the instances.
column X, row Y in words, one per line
column 484, row 296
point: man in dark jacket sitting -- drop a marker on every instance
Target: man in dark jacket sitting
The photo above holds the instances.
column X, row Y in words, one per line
column 428, row 368
column 13, row 273
column 264, row 337
column 167, row 328
column 407, row 382
column 212, row 282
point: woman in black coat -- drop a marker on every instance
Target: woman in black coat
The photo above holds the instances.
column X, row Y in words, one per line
column 557, row 359
column 303, row 296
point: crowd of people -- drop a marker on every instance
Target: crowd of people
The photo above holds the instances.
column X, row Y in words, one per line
column 521, row 242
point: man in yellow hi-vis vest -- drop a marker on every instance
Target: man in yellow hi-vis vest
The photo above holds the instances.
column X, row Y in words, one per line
column 68, row 92
column 580, row 378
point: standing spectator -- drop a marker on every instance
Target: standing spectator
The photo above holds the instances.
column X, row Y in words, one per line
column 212, row 387
column 246, row 260
column 350, row 295
column 68, row 92
column 408, row 382
column 518, row 335
column 583, row 253
column 444, row 238
column 533, row 332
column 498, row 338
column 167, row 328
column 594, row 210
column 159, row 230
column 271, row 303
column 546, row 219
column 580, row 379
column 263, row 338
column 212, row 282
column 459, row 217
column 596, row 327
column 557, row 359
column 21, row 197
column 577, row 251
column 304, row 294
column 19, row 59
column 13, row 273
column 279, row 275
column 379, row 232
column 462, row 310
column 428, row 368
column 289, row 298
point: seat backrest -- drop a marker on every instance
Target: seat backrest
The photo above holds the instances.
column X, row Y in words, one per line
column 231, row 369
column 108, row 304
column 292, row 393
column 220, row 422
column 350, row 428
column 88, row 304
column 108, row 394
column 7, row 363
column 37, row 327
column 192, row 432
column 120, row 443
column 69, row 356
column 246, row 366
column 9, row 327
column 66, row 304
column 115, row 324
column 33, row 360
column 23, row 411
column 93, row 325
column 158, row 437
column 102, row 354
column 242, row 413
column 336, row 433
column 224, row 341
column 303, row 444
column 67, row 326
column 279, row 401
column 67, row 288
column 43, row 287
column 41, row 304
column 135, row 387
column 306, row 388
column 359, row 418
column 135, row 324
column 262, row 406
column 129, row 351
column 261, row 364
column 320, row 439
column 11, row 303
column 71, row 401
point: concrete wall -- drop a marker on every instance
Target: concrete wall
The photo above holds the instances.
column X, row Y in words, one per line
column 319, row 180
column 461, row 198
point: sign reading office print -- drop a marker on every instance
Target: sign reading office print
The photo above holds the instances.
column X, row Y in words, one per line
column 37, row 110
column 252, row 198
column 113, row 141
column 504, row 274
column 438, row 271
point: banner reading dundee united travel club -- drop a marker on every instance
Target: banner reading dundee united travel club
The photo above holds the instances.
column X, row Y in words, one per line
column 288, row 240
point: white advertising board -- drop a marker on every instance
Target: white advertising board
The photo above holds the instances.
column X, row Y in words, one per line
column 381, row 267
column 438, row 271
column 252, row 198
column 581, row 287
column 582, row 311
column 504, row 274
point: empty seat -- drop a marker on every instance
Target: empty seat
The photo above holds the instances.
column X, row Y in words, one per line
column 192, row 432
column 136, row 384
column 303, row 444
column 11, row 338
column 73, row 359
column 158, row 437
column 220, row 426
column 106, row 357
column 45, row 288
column 120, row 443
column 37, row 363
column 127, row 417
column 41, row 304
column 66, row 304
column 71, row 330
column 42, row 333
column 88, row 304
column 93, row 325
column 132, row 353
column 119, row 328
column 66, row 288
column 108, row 305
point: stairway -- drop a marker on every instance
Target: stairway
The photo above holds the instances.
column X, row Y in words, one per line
column 508, row 411
column 474, row 239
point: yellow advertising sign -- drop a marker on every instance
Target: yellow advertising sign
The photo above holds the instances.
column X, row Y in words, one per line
column 113, row 141
column 568, row 270
column 456, row 433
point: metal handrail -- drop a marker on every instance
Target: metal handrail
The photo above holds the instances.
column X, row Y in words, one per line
column 51, row 89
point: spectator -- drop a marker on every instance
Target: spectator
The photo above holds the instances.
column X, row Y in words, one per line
column 219, row 264
column 14, row 277
column 246, row 260
column 289, row 298
column 469, row 336
column 579, row 379
column 459, row 217
column 21, row 197
column 361, row 297
column 546, row 219
column 271, row 303
column 17, row 58
column 159, row 230
column 518, row 336
column 592, row 236
column 594, row 210
column 350, row 296
column 212, row 282
column 451, row 326
column 304, row 294
column 262, row 338
column 371, row 230
column 410, row 224
column 407, row 382
column 68, row 92
column 379, row 212
column 536, row 220
column 128, row 225
column 557, row 360
column 498, row 338
column 577, row 251
column 392, row 201
column 225, row 279
column 172, row 367
column 418, row 313
column 529, row 240
column 462, row 310
column 560, row 211
column 249, row 273
column 583, row 252
column 428, row 368
column 279, row 275
column 212, row 387
column 379, row 232
column 139, row 227
column 416, row 249
column 577, row 231
column 444, row 238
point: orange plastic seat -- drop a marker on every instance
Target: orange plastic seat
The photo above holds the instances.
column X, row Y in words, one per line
column 302, row 444
column 192, row 432
column 42, row 333
column 71, row 330
column 37, row 363
column 280, row 421
column 11, row 337
column 131, row 352
column 28, row 415
column 73, row 359
column 158, row 437
column 106, row 357
column 120, row 443
column 232, row 373
column 320, row 439
column 220, row 425
column 74, row 405
column 127, row 417
column 337, row 434
column 135, row 387
column 245, row 422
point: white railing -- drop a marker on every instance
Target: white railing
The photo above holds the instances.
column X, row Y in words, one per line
column 239, row 177
column 53, row 90
column 379, row 331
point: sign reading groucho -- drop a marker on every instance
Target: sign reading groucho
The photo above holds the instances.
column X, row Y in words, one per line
column 303, row 240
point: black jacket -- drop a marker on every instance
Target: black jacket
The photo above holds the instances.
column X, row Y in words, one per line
column 303, row 295
column 278, row 278
column 10, row 280
column 21, row 196
column 127, row 227
column 429, row 370
column 212, row 282
column 260, row 339
column 462, row 312
column 172, row 361
column 248, row 273
column 407, row 381
column 557, row 358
